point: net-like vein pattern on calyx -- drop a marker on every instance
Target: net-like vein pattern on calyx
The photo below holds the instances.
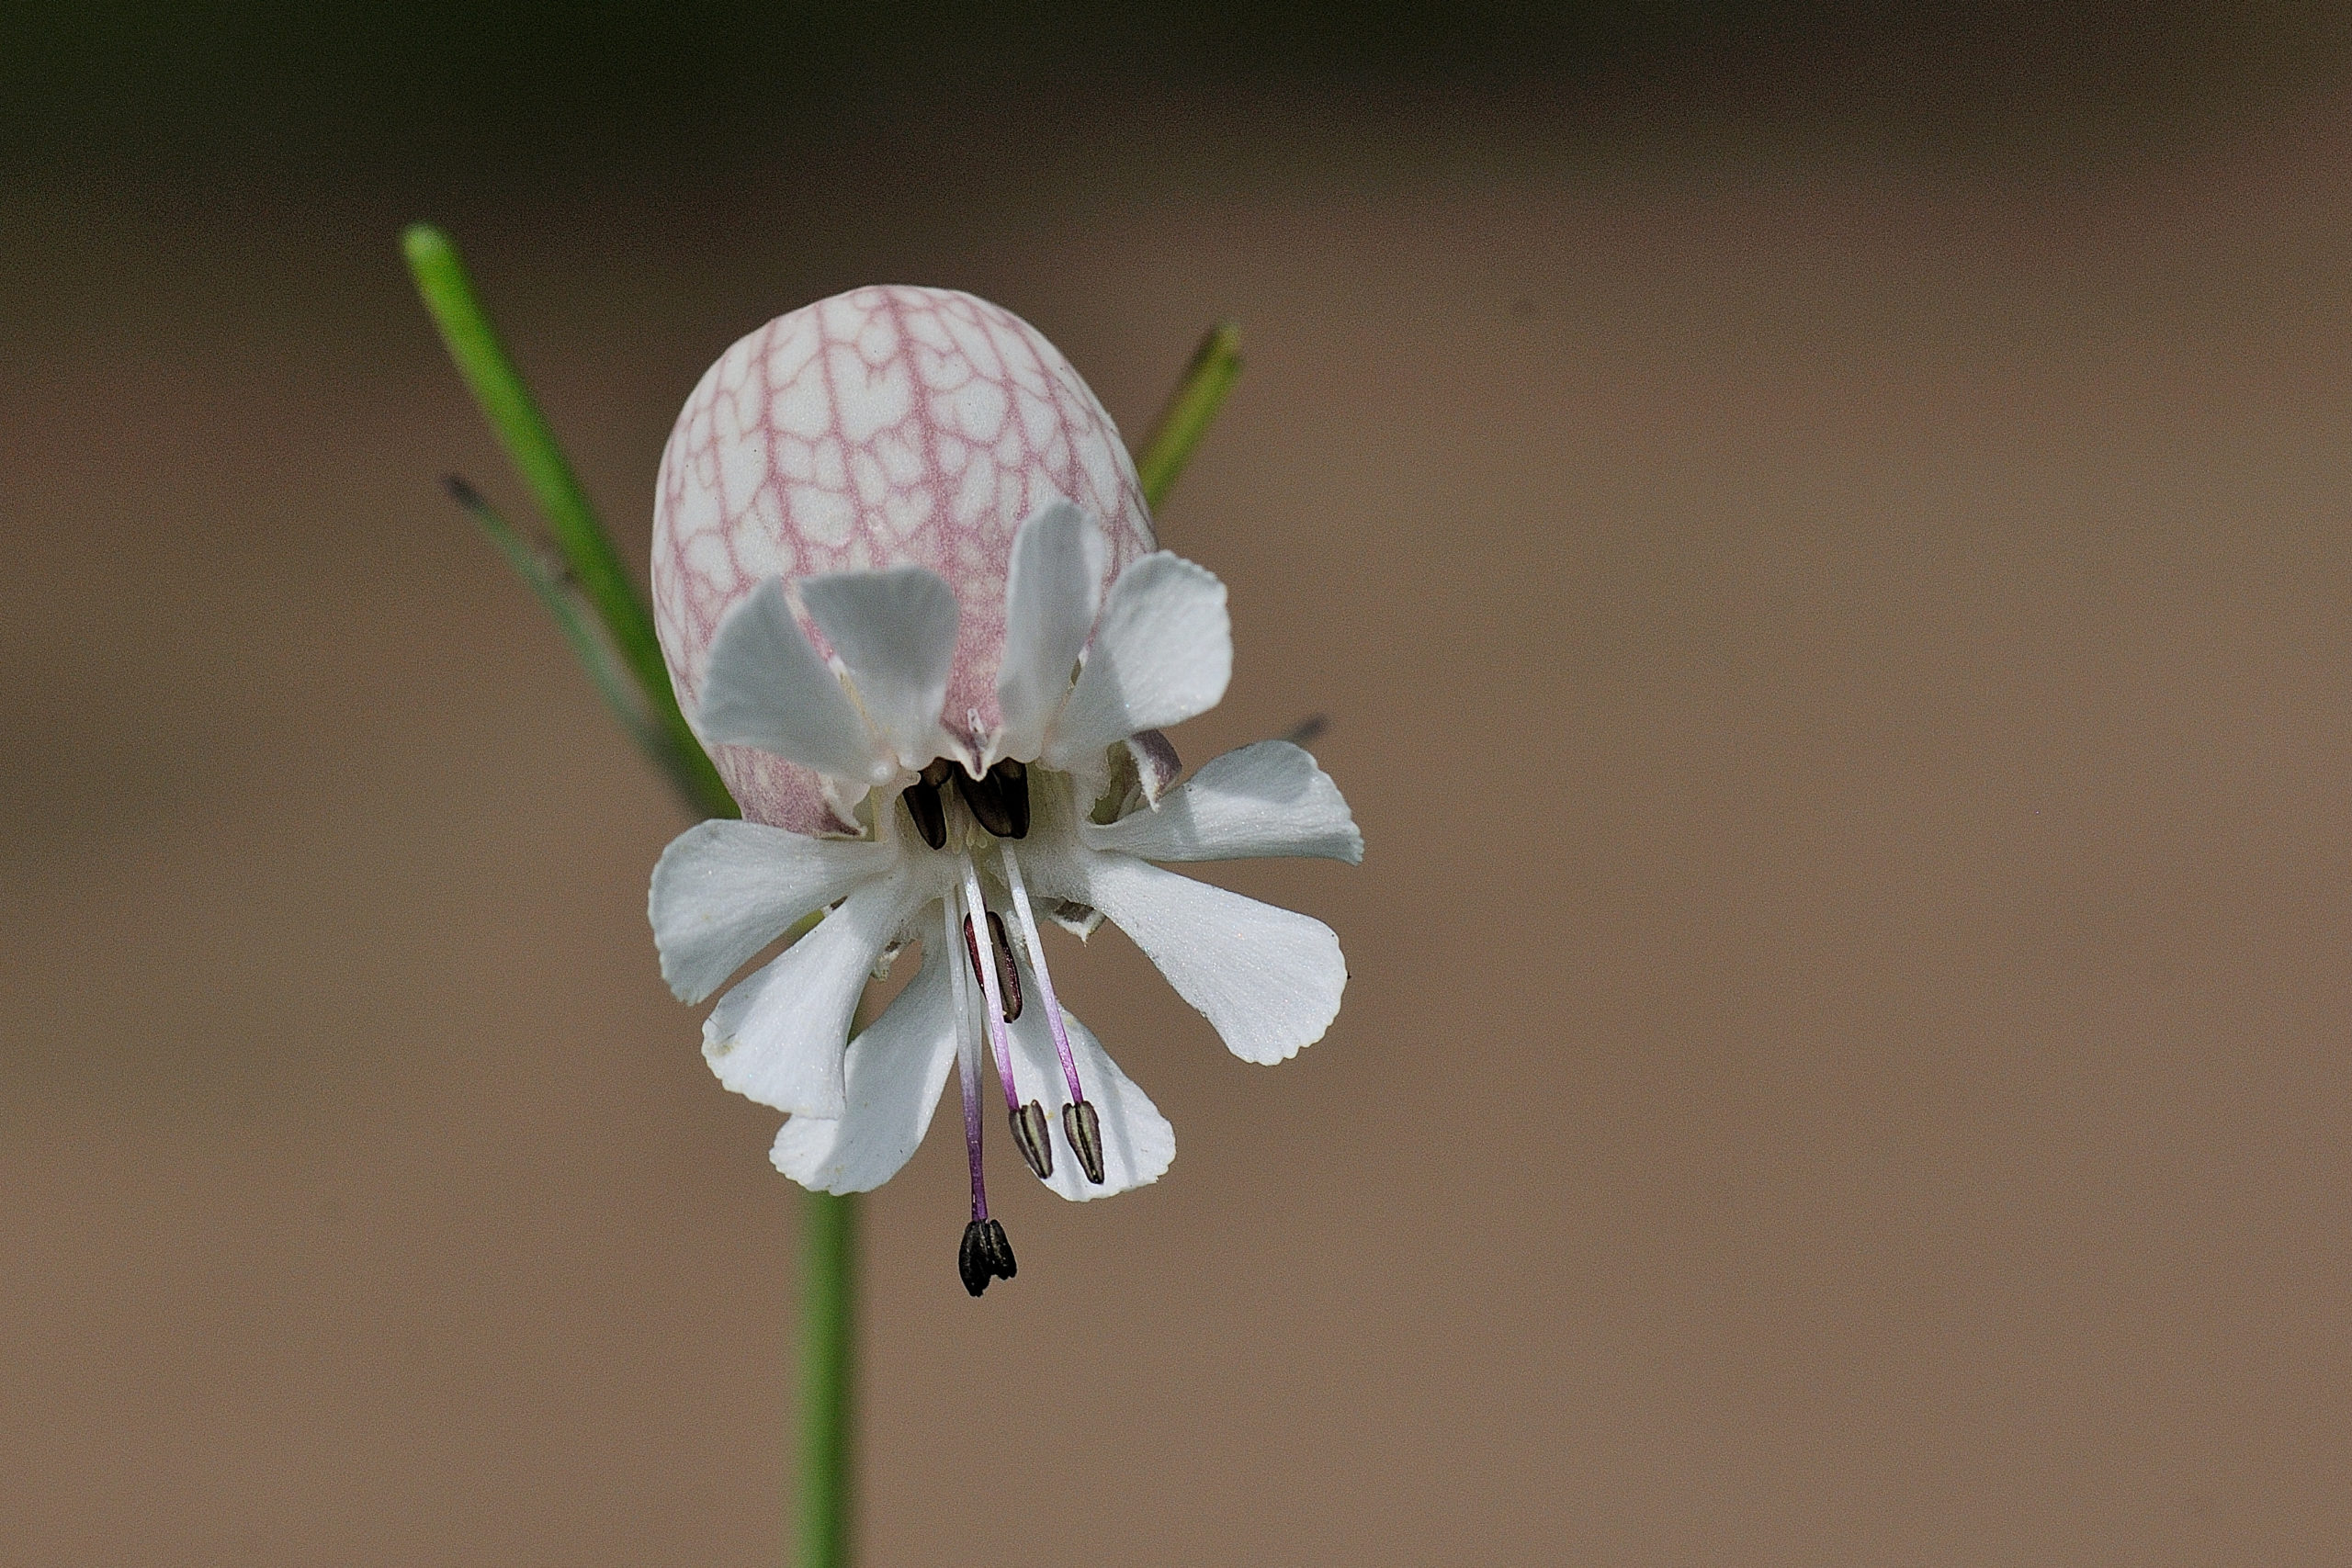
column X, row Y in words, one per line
column 881, row 427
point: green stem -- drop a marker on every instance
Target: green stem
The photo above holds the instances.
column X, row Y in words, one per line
column 1207, row 380
column 827, row 1377
column 514, row 417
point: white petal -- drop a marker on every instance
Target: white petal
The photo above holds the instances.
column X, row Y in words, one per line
column 1270, row 980
column 766, row 687
column 778, row 1037
column 1051, row 594
column 896, row 632
column 892, row 1078
column 724, row 890
column 1137, row 1143
column 1267, row 799
column 1163, row 652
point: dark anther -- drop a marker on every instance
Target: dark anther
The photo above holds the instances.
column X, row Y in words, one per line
column 1084, row 1130
column 972, row 1258
column 985, row 1256
column 1008, row 979
column 1008, row 973
column 924, row 804
column 1029, row 1137
column 1013, row 779
column 998, row 798
column 931, row 816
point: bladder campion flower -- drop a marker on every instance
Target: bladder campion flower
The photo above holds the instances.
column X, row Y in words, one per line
column 906, row 585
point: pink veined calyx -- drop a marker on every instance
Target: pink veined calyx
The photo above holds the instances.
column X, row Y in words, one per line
column 908, row 592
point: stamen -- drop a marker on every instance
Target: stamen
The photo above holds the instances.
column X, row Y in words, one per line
column 968, row 1063
column 985, row 1254
column 923, row 805
column 1081, row 1123
column 998, row 798
column 1028, row 1120
column 1008, row 977
column 1008, row 974
column 972, row 952
column 979, row 910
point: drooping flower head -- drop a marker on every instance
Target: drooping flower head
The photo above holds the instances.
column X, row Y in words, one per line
column 906, row 585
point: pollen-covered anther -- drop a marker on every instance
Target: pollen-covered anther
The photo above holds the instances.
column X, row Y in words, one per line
column 998, row 798
column 1029, row 1136
column 985, row 1256
column 1084, row 1130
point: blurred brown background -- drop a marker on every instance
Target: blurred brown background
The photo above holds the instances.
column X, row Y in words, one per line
column 1824, row 544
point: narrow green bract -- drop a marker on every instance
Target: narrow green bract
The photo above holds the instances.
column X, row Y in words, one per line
column 1207, row 380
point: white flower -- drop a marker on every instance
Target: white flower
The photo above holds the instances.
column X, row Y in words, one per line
column 970, row 835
